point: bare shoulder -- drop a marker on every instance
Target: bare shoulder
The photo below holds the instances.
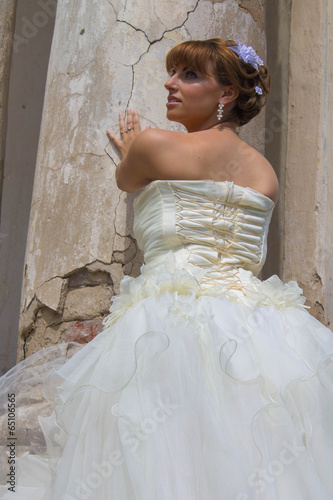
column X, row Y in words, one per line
column 160, row 152
column 266, row 180
column 257, row 173
column 151, row 139
column 152, row 155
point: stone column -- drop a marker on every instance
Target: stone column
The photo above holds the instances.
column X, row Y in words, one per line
column 106, row 55
column 7, row 23
column 31, row 49
column 309, row 180
column 276, row 126
column 327, row 106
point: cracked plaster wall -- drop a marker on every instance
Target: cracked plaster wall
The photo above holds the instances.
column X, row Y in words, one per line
column 308, row 231
column 105, row 56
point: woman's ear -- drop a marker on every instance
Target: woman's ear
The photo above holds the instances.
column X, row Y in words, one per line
column 230, row 94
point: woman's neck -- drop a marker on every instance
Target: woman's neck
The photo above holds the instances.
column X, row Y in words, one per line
column 223, row 125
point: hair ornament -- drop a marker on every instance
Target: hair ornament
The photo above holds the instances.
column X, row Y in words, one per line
column 248, row 55
column 258, row 90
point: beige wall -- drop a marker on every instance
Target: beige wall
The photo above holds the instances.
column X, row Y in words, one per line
column 327, row 219
column 33, row 35
column 276, row 124
column 105, row 56
column 308, row 180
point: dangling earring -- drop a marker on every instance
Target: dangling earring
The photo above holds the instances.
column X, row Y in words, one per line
column 220, row 111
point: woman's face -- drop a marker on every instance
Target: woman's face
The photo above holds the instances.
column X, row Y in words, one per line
column 193, row 98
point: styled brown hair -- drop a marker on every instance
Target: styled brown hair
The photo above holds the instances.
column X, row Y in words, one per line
column 214, row 56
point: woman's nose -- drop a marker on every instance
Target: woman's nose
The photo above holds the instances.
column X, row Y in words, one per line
column 171, row 83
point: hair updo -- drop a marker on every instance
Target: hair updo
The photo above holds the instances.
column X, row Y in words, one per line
column 214, row 56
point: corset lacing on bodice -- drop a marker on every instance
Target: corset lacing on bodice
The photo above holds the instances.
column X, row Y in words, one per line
column 203, row 238
column 220, row 237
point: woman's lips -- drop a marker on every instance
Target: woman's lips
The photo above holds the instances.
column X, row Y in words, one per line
column 172, row 101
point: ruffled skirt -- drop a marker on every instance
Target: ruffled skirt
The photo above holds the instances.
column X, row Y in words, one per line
column 184, row 397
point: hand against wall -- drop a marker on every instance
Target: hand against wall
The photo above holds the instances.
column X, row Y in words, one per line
column 128, row 131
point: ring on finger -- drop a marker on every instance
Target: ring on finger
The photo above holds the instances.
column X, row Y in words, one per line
column 129, row 128
column 123, row 131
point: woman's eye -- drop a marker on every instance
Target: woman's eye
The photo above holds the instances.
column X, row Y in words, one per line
column 190, row 74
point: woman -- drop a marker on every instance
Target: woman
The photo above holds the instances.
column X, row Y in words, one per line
column 211, row 150
column 206, row 382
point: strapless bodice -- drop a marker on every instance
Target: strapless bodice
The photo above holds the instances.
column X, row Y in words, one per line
column 216, row 227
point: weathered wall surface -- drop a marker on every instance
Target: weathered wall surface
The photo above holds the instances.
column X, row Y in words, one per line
column 308, row 181
column 106, row 55
column 7, row 23
column 31, row 49
column 326, row 141
column 276, row 123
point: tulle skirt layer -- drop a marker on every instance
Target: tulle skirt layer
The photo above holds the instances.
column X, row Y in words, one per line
column 182, row 398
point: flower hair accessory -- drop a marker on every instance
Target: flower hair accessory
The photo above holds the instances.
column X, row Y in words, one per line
column 247, row 54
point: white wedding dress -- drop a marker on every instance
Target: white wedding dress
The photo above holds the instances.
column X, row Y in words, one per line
column 206, row 383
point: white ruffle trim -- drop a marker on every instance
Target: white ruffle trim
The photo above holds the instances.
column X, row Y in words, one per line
column 169, row 276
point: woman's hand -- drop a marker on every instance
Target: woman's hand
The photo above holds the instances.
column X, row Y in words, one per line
column 128, row 131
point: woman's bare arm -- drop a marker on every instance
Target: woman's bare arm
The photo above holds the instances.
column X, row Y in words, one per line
column 148, row 155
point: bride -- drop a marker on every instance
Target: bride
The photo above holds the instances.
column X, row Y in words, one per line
column 211, row 92
column 206, row 383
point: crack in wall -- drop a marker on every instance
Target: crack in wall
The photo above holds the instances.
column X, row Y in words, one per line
column 125, row 6
column 160, row 20
column 126, row 22
column 28, row 330
column 240, row 4
column 48, row 281
column 151, row 42
column 132, row 87
column 107, row 154
column 253, row 11
column 187, row 31
column 114, row 221
column 181, row 25
column 168, row 30
column 40, row 316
